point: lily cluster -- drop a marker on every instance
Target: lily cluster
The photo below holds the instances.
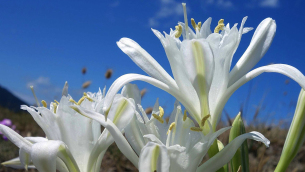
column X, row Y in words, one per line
column 202, row 83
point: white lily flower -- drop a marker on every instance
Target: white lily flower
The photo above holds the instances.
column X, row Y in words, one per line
column 176, row 145
column 71, row 137
column 201, row 65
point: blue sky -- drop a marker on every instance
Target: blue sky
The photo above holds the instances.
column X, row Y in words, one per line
column 45, row 43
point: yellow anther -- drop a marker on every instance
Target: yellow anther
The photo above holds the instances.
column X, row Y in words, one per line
column 185, row 115
column 196, row 129
column 81, row 100
column 85, row 94
column 56, row 102
column 204, row 119
column 54, row 107
column 73, row 101
column 158, row 118
column 91, row 100
column 220, row 26
column 199, row 25
column 171, row 127
column 195, row 26
column 161, row 111
column 179, row 31
column 44, row 103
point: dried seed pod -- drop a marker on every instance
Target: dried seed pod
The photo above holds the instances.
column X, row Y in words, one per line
column 108, row 74
column 148, row 110
column 143, row 92
column 86, row 84
column 84, row 70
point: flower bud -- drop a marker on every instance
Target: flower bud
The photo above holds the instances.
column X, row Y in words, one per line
column 241, row 157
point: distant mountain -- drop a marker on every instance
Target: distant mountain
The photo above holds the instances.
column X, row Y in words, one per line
column 9, row 100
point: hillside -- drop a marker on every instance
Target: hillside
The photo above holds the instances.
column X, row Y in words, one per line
column 9, row 100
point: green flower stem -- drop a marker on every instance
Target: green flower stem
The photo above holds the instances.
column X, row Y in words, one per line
column 295, row 137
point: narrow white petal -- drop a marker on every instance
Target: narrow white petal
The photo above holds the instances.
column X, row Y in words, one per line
column 132, row 91
column 44, row 156
column 226, row 154
column 16, row 163
column 205, row 30
column 14, row 137
column 284, row 69
column 134, row 135
column 124, row 79
column 114, row 131
column 154, row 157
column 259, row 45
column 144, row 60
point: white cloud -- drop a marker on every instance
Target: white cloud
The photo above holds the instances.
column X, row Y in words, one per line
column 169, row 8
column 39, row 81
column 224, row 4
column 269, row 3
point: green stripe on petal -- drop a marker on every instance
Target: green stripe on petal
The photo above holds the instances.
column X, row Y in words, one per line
column 201, row 78
column 154, row 159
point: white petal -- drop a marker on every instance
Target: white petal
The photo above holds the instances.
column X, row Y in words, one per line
column 222, row 59
column 65, row 89
column 190, row 98
column 14, row 137
column 124, row 79
column 154, row 157
column 284, row 69
column 205, row 30
column 144, row 60
column 132, row 91
column 259, row 45
column 114, row 131
column 15, row 163
column 134, row 135
column 44, row 156
column 121, row 112
column 226, row 154
column 198, row 56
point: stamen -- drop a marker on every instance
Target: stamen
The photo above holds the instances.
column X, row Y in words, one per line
column 193, row 23
column 85, row 94
column 56, row 102
column 37, row 102
column 179, row 31
column 73, row 101
column 91, row 100
column 171, row 127
column 185, row 115
column 220, row 26
column 199, row 25
column 185, row 20
column 44, row 103
column 161, row 111
column 196, row 129
column 54, row 107
column 204, row 119
column 158, row 118
column 81, row 100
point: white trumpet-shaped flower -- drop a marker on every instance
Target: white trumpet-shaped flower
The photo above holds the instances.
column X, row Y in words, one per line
column 73, row 142
column 201, row 63
column 176, row 145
